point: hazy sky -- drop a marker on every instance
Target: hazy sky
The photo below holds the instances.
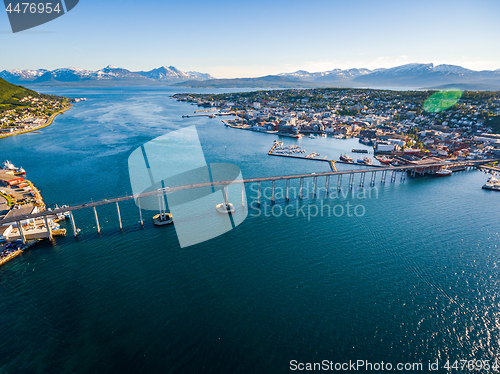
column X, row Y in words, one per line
column 255, row 38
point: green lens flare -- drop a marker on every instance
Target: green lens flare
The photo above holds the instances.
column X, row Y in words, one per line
column 442, row 100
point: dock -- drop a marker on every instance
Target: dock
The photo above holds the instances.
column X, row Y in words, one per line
column 10, row 256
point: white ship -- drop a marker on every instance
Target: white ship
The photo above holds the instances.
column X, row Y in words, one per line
column 444, row 172
column 7, row 165
column 492, row 184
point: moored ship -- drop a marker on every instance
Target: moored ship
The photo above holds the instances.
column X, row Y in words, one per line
column 345, row 158
column 492, row 184
column 444, row 172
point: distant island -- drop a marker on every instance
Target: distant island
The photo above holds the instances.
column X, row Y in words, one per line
column 23, row 110
column 409, row 76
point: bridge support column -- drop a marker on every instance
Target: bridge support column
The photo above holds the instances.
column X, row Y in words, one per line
column 362, row 180
column 49, row 230
column 258, row 193
column 97, row 221
column 287, row 189
column 393, row 176
column 224, row 195
column 372, row 181
column 327, row 185
column 300, row 188
column 273, row 189
column 140, row 211
column 339, row 182
column 351, row 180
column 315, row 180
column 20, row 228
column 72, row 223
column 403, row 175
column 119, row 215
column 382, row 178
column 242, row 194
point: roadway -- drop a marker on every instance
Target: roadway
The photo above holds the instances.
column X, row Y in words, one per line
column 252, row 180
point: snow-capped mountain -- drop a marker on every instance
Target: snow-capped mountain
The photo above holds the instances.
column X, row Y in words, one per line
column 427, row 75
column 326, row 76
column 22, row 74
column 171, row 73
column 108, row 75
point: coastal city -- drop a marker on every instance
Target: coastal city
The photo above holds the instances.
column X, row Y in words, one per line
column 394, row 122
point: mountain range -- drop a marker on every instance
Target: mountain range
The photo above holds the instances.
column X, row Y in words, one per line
column 411, row 76
column 110, row 75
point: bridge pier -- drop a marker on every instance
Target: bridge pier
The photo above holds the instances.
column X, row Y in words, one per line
column 119, row 215
column 372, row 181
column 287, row 189
column 49, row 230
column 362, row 180
column 393, row 176
column 73, row 223
column 242, row 194
column 327, row 185
column 224, row 195
column 273, row 189
column 351, row 180
column 382, row 178
column 258, row 193
column 97, row 221
column 339, row 182
column 21, row 233
column 300, row 188
column 315, row 180
column 140, row 211
column 403, row 175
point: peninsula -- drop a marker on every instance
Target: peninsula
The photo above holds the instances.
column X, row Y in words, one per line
column 23, row 110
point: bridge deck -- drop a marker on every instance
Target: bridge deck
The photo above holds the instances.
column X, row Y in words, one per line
column 474, row 163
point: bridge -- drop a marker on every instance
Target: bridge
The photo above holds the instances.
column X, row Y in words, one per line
column 383, row 171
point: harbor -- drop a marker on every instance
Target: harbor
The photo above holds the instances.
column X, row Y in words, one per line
column 18, row 198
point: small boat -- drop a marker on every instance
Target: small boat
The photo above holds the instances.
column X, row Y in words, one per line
column 225, row 208
column 345, row 158
column 385, row 160
column 365, row 161
column 359, row 151
column 444, row 172
column 163, row 219
column 323, row 135
column 312, row 136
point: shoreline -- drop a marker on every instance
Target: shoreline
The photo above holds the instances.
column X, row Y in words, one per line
column 48, row 123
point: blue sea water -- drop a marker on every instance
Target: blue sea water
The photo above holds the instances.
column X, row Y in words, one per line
column 408, row 273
